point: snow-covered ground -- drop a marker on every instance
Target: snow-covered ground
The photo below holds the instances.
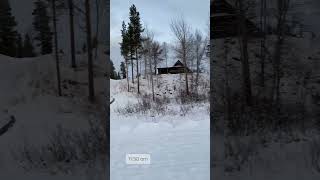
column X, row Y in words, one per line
column 28, row 93
column 178, row 143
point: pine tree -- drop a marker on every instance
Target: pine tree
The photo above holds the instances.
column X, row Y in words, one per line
column 134, row 32
column 8, row 33
column 123, row 70
column 54, row 18
column 41, row 24
column 89, row 52
column 19, row 47
column 28, row 50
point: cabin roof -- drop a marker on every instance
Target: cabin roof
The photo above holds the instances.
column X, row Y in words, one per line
column 178, row 64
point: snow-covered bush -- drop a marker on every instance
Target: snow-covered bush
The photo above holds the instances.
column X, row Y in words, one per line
column 145, row 105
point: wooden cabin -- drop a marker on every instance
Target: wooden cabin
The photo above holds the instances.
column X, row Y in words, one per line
column 177, row 68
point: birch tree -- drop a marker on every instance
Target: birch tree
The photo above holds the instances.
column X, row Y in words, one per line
column 183, row 35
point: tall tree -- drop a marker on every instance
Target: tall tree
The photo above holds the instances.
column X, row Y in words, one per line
column 148, row 41
column 8, row 34
column 243, row 41
column 54, row 16
column 28, row 50
column 182, row 32
column 89, row 44
column 72, row 41
column 41, row 24
column 263, row 28
column 134, row 31
column 282, row 9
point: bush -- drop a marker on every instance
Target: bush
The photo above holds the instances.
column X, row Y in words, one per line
column 193, row 97
column 145, row 105
column 184, row 109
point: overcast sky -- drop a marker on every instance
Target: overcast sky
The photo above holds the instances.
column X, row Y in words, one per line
column 157, row 15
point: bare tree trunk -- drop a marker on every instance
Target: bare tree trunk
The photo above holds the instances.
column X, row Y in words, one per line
column 282, row 10
column 72, row 42
column 227, row 86
column 263, row 41
column 138, row 71
column 167, row 65
column 151, row 76
column 243, row 41
column 97, row 29
column 155, row 69
column 127, row 72
column 192, row 75
column 185, row 69
column 145, row 65
column 56, row 45
column 198, row 73
column 89, row 44
column 132, row 77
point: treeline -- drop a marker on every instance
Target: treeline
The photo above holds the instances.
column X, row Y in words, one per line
column 140, row 51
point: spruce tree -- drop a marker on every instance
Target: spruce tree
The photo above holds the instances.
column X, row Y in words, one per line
column 28, row 50
column 123, row 70
column 8, row 34
column 41, row 24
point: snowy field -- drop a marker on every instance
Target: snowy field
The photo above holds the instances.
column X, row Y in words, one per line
column 178, row 143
